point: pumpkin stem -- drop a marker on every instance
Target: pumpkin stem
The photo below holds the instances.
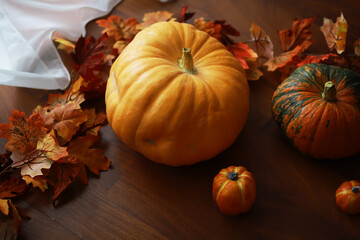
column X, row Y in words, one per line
column 233, row 176
column 355, row 189
column 186, row 62
column 329, row 93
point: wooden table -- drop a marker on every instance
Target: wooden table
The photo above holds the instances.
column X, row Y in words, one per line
column 139, row 199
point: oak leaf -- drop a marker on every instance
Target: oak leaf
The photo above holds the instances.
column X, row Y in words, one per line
column 37, row 181
column 242, row 51
column 93, row 158
column 335, row 33
column 184, row 16
column 154, row 17
column 283, row 59
column 298, row 35
column 119, row 29
column 22, row 133
column 261, row 42
column 67, row 119
column 12, row 187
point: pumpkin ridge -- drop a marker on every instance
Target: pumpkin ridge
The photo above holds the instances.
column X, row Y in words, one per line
column 221, row 189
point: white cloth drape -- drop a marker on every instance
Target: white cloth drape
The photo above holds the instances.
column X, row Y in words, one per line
column 28, row 57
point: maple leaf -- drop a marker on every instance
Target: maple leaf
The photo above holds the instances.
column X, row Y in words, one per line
column 31, row 164
column 154, row 17
column 115, row 27
column 93, row 122
column 210, row 27
column 22, row 133
column 298, row 35
column 62, row 174
column 37, row 181
column 93, row 158
column 283, row 59
column 261, row 42
column 51, row 148
column 120, row 46
column 335, row 33
column 46, row 115
column 12, row 187
column 315, row 59
column 357, row 47
column 67, row 119
column 184, row 16
column 227, row 29
column 253, row 73
column 89, row 53
column 65, row 45
column 242, row 51
column 10, row 225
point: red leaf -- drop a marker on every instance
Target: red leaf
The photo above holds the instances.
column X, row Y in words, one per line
column 298, row 35
column 227, row 29
column 184, row 16
column 12, row 187
column 315, row 59
column 283, row 59
column 242, row 51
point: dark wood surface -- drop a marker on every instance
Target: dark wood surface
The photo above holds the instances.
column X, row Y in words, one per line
column 139, row 199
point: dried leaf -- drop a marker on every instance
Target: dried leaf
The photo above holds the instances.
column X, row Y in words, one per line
column 46, row 115
column 4, row 206
column 120, row 46
column 93, row 158
column 65, row 45
column 211, row 28
column 298, row 35
column 253, row 73
column 154, row 17
column 315, row 59
column 115, row 27
column 31, row 164
column 67, row 118
column 227, row 29
column 22, row 133
column 10, row 226
column 357, row 47
column 184, row 16
column 38, row 181
column 93, row 122
column 283, row 59
column 335, row 33
column 261, row 42
column 11, row 187
column 242, row 51
column 51, row 148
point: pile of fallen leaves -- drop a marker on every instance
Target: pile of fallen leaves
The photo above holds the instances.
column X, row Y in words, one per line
column 54, row 146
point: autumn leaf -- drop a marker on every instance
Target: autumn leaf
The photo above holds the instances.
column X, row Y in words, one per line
column 184, row 16
column 65, row 45
column 37, row 181
column 210, row 27
column 63, row 173
column 283, row 59
column 93, row 158
column 10, row 224
column 93, row 122
column 298, row 35
column 227, row 29
column 357, row 47
column 51, row 148
column 242, row 51
column 22, row 133
column 154, row 17
column 67, row 119
column 315, row 59
column 335, row 33
column 119, row 29
column 261, row 42
column 31, row 164
column 12, row 187
column 253, row 73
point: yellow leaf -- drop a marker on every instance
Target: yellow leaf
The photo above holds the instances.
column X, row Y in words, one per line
column 65, row 45
column 4, row 206
column 38, row 181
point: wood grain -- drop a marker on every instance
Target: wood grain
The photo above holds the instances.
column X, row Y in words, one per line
column 139, row 199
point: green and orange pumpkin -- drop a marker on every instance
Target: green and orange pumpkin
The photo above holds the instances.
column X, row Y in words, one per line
column 177, row 95
column 318, row 107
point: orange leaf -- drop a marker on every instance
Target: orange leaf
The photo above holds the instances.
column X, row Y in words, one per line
column 154, row 17
column 11, row 187
column 283, row 59
column 335, row 33
column 315, row 59
column 93, row 122
column 10, row 225
column 37, row 181
column 211, row 28
column 51, row 148
column 253, row 73
column 242, row 51
column 357, row 47
column 262, row 42
column 120, row 46
column 298, row 35
column 93, row 158
column 22, row 133
column 115, row 27
column 4, row 206
column 68, row 118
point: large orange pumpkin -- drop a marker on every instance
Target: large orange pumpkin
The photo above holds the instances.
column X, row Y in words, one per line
column 177, row 95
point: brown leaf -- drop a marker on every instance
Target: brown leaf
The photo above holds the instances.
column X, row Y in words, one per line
column 211, row 28
column 93, row 122
column 253, row 73
column 242, row 51
column 261, row 42
column 357, row 47
column 93, row 158
column 115, row 27
column 10, row 226
column 154, row 17
column 335, row 33
column 51, row 148
column 283, row 59
column 184, row 16
column 298, row 35
column 12, row 187
column 37, row 181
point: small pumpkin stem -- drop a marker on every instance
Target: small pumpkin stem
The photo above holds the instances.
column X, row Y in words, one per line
column 355, row 189
column 233, row 176
column 329, row 93
column 186, row 62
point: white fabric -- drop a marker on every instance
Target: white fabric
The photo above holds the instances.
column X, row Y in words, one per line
column 28, row 57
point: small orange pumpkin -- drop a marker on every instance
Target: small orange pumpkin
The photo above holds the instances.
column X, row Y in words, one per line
column 348, row 197
column 173, row 105
column 234, row 190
